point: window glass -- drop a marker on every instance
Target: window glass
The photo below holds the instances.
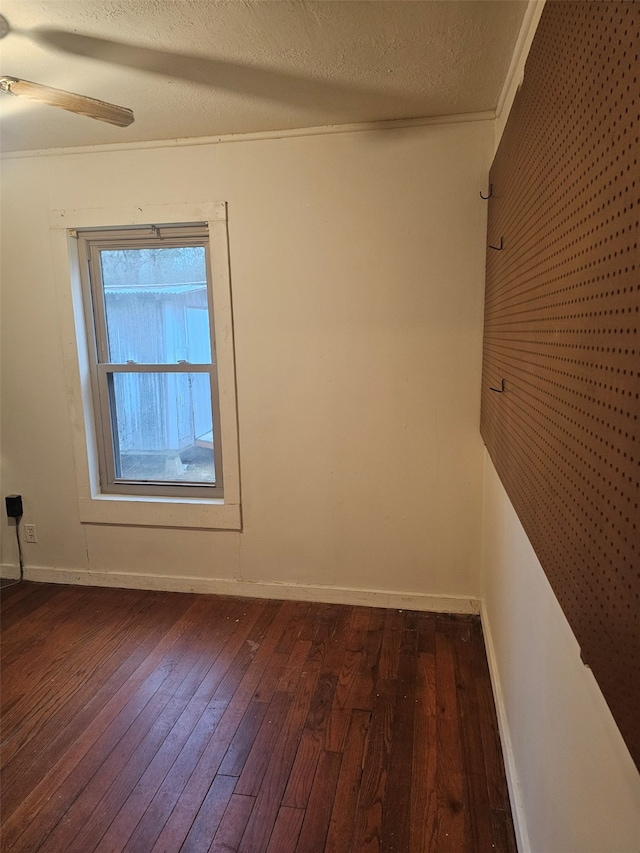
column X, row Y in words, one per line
column 162, row 427
column 156, row 305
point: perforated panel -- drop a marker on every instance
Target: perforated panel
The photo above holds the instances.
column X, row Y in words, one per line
column 561, row 328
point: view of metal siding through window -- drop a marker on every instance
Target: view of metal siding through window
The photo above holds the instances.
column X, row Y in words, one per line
column 157, row 312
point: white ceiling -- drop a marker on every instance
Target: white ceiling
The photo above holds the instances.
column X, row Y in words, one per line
column 192, row 68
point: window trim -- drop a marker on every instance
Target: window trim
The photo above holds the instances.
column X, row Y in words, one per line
column 96, row 506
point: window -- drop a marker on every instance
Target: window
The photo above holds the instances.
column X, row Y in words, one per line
column 149, row 306
column 146, row 328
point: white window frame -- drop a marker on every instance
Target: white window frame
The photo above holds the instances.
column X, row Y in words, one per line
column 91, row 244
column 95, row 505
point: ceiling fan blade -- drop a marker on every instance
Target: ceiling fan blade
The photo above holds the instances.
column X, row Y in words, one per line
column 80, row 104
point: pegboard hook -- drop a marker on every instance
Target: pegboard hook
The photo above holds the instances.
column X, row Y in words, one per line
column 498, row 390
column 487, row 197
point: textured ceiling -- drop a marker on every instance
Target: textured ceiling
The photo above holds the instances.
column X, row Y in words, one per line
column 208, row 67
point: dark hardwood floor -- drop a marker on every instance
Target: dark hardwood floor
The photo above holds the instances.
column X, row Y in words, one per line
column 148, row 721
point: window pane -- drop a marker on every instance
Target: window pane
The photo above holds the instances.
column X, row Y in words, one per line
column 156, row 305
column 163, row 427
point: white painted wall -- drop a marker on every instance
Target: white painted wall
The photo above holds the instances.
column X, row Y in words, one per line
column 576, row 785
column 357, row 277
column 573, row 783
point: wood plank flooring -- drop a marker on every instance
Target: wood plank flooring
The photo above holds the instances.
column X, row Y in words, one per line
column 153, row 722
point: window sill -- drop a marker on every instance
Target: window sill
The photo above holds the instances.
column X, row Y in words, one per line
column 136, row 511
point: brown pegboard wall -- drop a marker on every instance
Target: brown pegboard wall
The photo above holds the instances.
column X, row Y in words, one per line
column 562, row 319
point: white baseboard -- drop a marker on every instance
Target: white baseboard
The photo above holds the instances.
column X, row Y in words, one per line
column 515, row 793
column 254, row 589
column 9, row 572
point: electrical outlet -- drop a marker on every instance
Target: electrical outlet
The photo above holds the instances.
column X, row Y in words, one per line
column 30, row 533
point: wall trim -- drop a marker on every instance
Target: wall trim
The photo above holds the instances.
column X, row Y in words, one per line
column 521, row 50
column 9, row 571
column 254, row 589
column 356, row 127
column 515, row 791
